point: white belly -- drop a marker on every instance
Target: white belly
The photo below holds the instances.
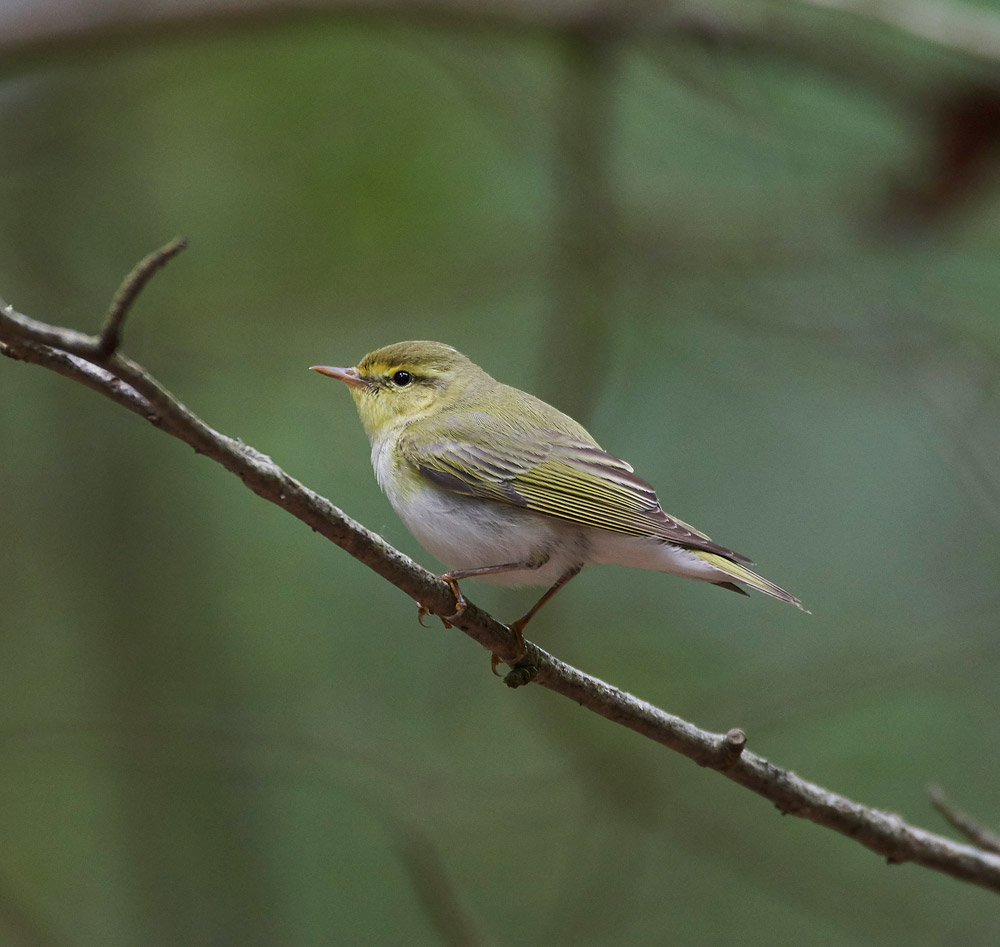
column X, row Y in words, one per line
column 465, row 533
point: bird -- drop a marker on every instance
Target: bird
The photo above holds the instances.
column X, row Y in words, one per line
column 501, row 486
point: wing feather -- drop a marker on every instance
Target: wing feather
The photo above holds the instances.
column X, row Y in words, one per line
column 567, row 478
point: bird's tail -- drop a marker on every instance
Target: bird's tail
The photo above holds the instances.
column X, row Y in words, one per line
column 741, row 573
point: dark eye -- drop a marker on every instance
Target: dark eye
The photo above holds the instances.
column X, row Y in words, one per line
column 402, row 379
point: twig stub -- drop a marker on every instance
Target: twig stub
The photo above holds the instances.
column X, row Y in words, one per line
column 734, row 742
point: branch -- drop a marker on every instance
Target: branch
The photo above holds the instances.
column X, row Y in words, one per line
column 84, row 358
column 971, row 828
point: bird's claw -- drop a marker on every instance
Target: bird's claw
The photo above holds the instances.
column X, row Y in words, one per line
column 423, row 611
column 517, row 628
column 461, row 603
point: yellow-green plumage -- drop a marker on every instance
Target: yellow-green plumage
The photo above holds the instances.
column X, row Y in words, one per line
column 493, row 480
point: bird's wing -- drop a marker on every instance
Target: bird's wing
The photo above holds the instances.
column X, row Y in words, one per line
column 557, row 475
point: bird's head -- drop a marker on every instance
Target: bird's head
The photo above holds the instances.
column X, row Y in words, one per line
column 404, row 382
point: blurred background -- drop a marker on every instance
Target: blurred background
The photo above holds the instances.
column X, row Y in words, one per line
column 752, row 246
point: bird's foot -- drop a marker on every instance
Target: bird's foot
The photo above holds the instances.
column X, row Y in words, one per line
column 517, row 628
column 423, row 611
column 461, row 603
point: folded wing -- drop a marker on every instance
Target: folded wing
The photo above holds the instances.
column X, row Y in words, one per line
column 564, row 477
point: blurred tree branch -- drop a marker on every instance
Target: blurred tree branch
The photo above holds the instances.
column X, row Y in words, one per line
column 585, row 232
column 957, row 27
column 434, row 888
column 46, row 27
column 96, row 362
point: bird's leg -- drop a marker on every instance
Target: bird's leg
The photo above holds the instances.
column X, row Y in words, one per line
column 452, row 577
column 518, row 626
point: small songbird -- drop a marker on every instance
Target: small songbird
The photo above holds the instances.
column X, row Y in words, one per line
column 503, row 487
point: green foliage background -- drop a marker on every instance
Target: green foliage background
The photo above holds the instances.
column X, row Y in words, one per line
column 220, row 729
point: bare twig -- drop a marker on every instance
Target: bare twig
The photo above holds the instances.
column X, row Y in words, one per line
column 132, row 285
column 81, row 358
column 971, row 828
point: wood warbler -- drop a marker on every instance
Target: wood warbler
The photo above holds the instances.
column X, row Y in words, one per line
column 501, row 486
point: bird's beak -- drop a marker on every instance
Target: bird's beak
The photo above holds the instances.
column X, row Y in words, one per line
column 349, row 376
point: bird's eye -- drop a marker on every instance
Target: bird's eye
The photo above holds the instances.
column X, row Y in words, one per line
column 402, row 379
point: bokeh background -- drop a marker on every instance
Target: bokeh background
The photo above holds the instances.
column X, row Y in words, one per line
column 752, row 247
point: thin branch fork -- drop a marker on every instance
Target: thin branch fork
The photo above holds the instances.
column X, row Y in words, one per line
column 971, row 828
column 95, row 361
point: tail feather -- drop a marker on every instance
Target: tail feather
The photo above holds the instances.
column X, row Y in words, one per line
column 741, row 573
column 733, row 587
